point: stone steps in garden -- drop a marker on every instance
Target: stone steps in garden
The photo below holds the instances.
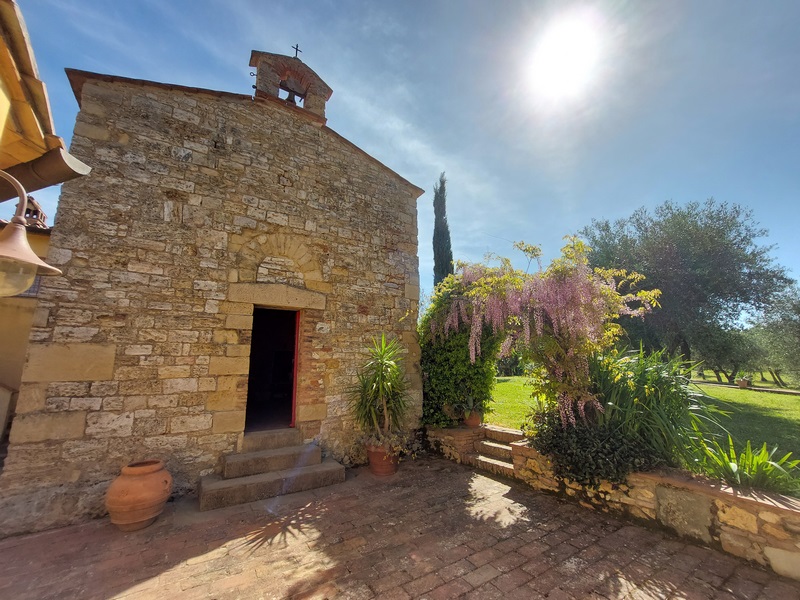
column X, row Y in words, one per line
column 493, row 454
column 493, row 465
column 272, row 463
column 505, row 435
column 494, row 449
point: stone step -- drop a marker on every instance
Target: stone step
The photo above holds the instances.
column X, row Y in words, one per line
column 271, row 439
column 505, row 435
column 493, row 465
column 264, row 461
column 216, row 492
column 494, row 449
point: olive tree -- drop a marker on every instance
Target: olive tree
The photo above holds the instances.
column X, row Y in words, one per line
column 704, row 257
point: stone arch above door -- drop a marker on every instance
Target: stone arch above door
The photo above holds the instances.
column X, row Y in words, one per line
column 280, row 258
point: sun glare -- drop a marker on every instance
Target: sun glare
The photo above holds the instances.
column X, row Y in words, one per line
column 566, row 58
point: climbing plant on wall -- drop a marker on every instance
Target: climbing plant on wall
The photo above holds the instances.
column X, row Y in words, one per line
column 449, row 374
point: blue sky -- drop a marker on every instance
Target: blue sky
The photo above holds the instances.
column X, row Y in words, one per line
column 685, row 100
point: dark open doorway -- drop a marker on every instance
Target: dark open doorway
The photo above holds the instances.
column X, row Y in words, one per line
column 270, row 391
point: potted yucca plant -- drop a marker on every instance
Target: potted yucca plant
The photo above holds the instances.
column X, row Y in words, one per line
column 380, row 404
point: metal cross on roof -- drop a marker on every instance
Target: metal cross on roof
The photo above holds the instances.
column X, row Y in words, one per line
column 296, row 49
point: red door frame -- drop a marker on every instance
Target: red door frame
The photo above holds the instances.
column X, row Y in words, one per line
column 295, row 365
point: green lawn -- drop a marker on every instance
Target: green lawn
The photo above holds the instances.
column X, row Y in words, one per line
column 512, row 402
column 760, row 417
column 757, row 416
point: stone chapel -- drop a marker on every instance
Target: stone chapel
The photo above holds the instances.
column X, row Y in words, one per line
column 225, row 266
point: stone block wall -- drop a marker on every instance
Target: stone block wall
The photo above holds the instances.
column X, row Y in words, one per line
column 200, row 206
column 455, row 443
column 764, row 528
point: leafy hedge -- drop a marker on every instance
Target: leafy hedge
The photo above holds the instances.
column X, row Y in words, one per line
column 652, row 415
column 647, row 415
column 587, row 453
column 448, row 376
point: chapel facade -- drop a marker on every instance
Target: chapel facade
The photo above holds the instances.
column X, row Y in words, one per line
column 225, row 266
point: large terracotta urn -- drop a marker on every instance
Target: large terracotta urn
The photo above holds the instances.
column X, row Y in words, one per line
column 382, row 462
column 138, row 495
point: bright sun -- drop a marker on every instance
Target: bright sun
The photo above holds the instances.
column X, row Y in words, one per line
column 566, row 59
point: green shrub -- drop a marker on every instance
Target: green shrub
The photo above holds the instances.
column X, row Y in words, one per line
column 650, row 416
column 649, row 398
column 587, row 453
column 448, row 376
column 749, row 469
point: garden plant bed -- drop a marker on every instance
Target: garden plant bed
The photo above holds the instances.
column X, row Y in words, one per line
column 764, row 528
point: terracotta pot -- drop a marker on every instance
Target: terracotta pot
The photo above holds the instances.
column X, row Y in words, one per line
column 137, row 496
column 381, row 462
column 473, row 420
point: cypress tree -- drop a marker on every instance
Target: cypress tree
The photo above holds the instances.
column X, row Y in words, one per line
column 442, row 252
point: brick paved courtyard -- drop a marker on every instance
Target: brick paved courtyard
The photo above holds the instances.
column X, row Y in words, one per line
column 434, row 530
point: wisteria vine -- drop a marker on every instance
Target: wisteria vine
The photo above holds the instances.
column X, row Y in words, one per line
column 562, row 314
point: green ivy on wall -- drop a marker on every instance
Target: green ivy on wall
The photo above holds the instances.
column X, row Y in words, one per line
column 448, row 375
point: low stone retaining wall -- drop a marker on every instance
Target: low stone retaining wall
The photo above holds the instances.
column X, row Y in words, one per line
column 761, row 527
column 456, row 443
